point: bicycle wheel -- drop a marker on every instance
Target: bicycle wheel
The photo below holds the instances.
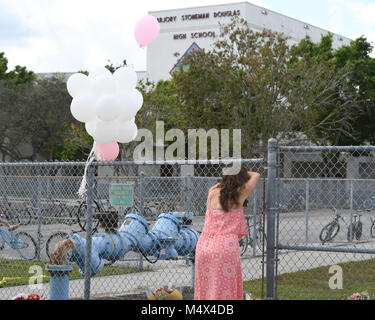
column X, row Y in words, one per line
column 53, row 240
column 243, row 243
column 148, row 213
column 81, row 215
column 25, row 245
column 358, row 232
column 12, row 217
column 367, row 204
column 25, row 217
column 329, row 232
column 372, row 230
column 133, row 209
column 259, row 239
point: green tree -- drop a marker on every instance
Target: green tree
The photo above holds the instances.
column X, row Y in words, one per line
column 18, row 75
column 349, row 120
column 33, row 114
column 256, row 82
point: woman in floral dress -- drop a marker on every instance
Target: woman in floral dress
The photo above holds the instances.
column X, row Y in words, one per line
column 218, row 272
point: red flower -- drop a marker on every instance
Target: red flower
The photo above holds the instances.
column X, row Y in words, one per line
column 33, row 297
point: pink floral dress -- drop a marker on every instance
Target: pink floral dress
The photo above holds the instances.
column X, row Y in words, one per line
column 218, row 271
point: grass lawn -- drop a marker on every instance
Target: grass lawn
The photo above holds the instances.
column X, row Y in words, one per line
column 16, row 272
column 313, row 284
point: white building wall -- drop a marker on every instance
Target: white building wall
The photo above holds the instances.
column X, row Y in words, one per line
column 179, row 29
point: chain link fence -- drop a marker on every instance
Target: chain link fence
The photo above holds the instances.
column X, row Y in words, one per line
column 324, row 222
column 127, row 249
column 314, row 242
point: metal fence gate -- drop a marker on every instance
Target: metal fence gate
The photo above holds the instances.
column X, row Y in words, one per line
column 316, row 196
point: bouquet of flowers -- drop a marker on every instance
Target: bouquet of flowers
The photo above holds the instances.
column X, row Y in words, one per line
column 165, row 294
column 360, row 296
column 248, row 296
column 22, row 296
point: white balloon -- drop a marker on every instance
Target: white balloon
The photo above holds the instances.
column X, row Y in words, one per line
column 126, row 79
column 90, row 127
column 78, row 84
column 128, row 106
column 83, row 108
column 138, row 97
column 105, row 132
column 107, row 108
column 99, row 71
column 103, row 85
column 126, row 131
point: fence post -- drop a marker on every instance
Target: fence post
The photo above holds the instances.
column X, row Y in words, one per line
column 39, row 212
column 351, row 212
column 141, row 192
column 255, row 235
column 271, row 208
column 142, row 211
column 87, row 274
column 307, row 211
column 188, row 195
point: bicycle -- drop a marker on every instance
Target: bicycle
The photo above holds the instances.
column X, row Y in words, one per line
column 369, row 204
column 20, row 241
column 98, row 206
column 62, row 214
column 247, row 240
column 7, row 214
column 372, row 228
column 355, row 230
column 330, row 231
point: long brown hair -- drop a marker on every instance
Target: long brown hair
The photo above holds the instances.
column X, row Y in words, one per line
column 229, row 188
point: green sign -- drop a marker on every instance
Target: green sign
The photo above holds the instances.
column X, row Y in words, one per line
column 121, row 195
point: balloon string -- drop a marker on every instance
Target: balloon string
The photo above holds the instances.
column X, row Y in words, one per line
column 82, row 188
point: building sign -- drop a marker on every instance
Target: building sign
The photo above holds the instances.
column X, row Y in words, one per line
column 229, row 13
column 194, row 35
column 199, row 16
column 195, row 16
column 167, row 19
column 121, row 195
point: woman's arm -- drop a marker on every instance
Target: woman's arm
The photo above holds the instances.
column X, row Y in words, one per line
column 251, row 185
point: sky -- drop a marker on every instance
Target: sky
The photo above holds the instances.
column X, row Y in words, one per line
column 72, row 35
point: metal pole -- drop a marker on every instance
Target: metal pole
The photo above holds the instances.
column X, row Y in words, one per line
column 307, row 211
column 39, row 206
column 89, row 212
column 188, row 198
column 351, row 212
column 141, row 204
column 141, row 191
column 255, row 196
column 271, row 208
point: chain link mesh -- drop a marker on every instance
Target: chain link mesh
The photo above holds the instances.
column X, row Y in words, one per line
column 326, row 202
column 40, row 202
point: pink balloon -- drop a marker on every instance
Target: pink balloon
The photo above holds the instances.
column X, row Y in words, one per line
column 146, row 30
column 107, row 152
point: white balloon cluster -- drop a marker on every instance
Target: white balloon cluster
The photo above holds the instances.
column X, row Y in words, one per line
column 107, row 103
